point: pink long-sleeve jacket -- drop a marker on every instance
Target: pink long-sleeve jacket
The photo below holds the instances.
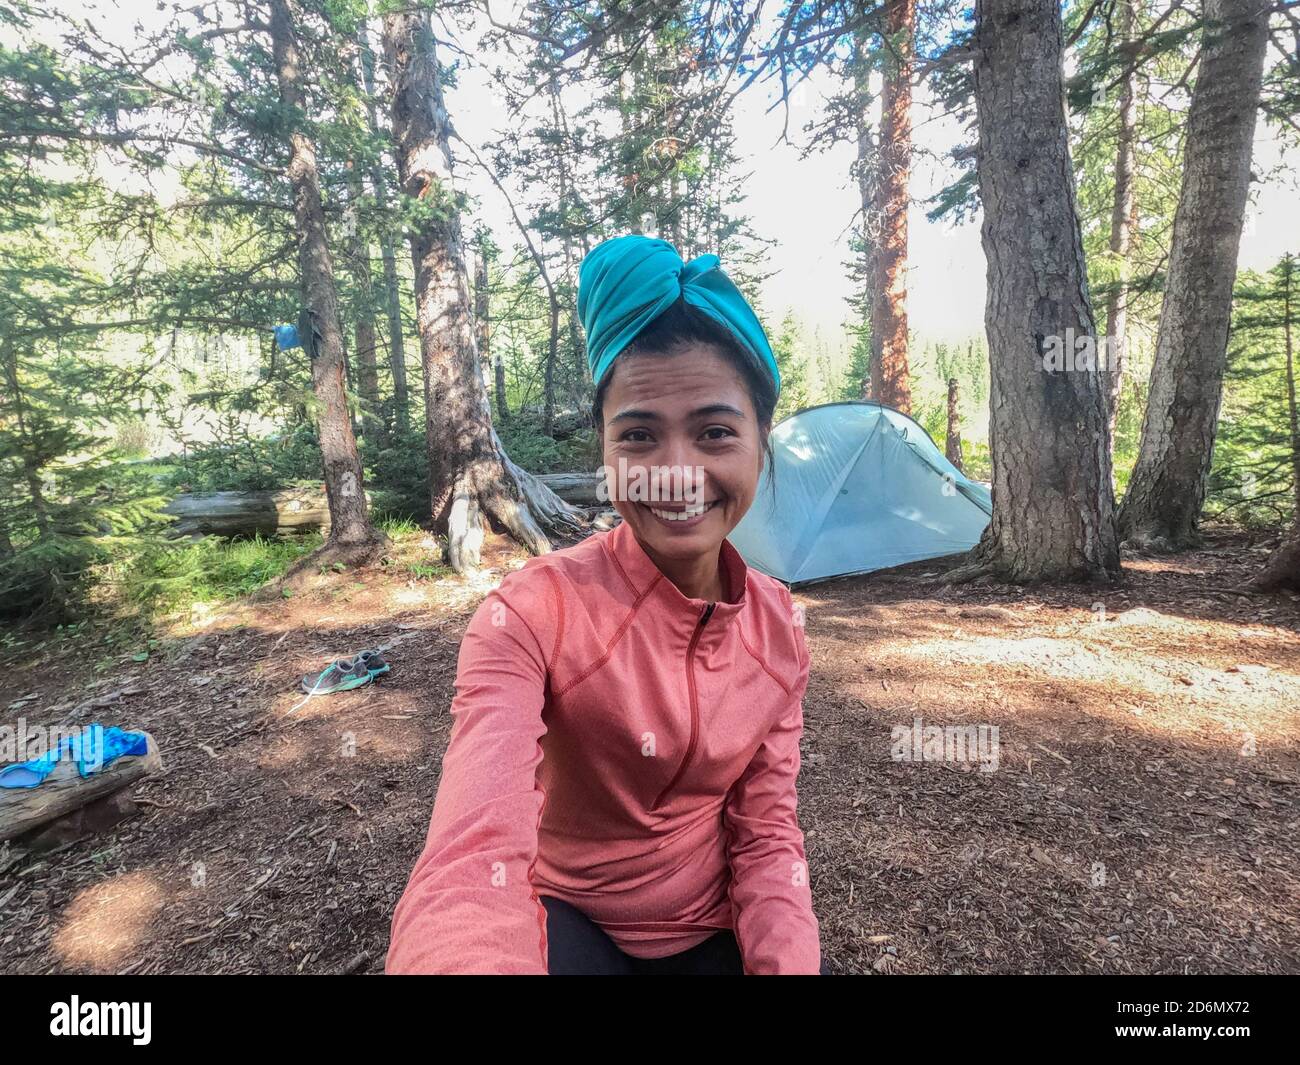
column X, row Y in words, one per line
column 624, row 748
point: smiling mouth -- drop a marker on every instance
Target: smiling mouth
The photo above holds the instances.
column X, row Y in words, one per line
column 683, row 514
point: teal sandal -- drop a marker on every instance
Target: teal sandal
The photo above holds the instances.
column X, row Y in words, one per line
column 375, row 663
column 346, row 673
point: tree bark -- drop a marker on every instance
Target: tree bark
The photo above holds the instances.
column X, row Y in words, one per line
column 890, row 382
column 1167, row 489
column 952, row 442
column 1053, row 512
column 470, row 477
column 352, row 538
column 1282, row 570
column 1122, row 217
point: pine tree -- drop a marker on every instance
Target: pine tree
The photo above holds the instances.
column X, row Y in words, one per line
column 791, row 354
column 64, row 503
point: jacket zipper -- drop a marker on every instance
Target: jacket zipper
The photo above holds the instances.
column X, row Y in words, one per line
column 695, row 704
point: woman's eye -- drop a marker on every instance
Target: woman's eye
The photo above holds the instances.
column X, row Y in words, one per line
column 717, row 432
column 636, row 436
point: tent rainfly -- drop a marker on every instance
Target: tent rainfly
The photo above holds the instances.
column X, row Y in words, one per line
column 859, row 487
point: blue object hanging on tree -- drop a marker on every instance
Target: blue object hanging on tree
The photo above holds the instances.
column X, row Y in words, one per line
column 286, row 337
column 306, row 334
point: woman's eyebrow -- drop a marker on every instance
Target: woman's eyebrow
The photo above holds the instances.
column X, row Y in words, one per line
column 698, row 412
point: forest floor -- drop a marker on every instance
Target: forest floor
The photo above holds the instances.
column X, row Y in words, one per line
column 1142, row 817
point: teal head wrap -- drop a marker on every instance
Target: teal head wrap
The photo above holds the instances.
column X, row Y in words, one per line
column 625, row 283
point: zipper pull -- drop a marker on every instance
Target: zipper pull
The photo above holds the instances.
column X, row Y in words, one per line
column 708, row 613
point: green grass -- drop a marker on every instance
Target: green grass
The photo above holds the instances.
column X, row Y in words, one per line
column 396, row 525
column 175, row 577
column 428, row 571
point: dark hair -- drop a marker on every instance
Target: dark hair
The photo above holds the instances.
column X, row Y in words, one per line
column 682, row 325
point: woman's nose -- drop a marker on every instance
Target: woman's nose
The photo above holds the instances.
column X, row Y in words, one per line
column 679, row 474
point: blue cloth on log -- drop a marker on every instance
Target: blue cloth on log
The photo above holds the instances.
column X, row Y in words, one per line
column 93, row 748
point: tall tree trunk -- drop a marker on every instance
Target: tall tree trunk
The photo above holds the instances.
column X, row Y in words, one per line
column 1122, row 218
column 483, row 314
column 629, row 164
column 1293, row 412
column 392, row 294
column 358, row 252
column 349, row 380
column 552, row 350
column 396, row 338
column 890, row 382
column 565, row 185
column 553, row 302
column 1283, row 567
column 1053, row 512
column 352, row 538
column 952, row 442
column 1282, row 570
column 1165, row 493
column 470, row 476
column 868, row 171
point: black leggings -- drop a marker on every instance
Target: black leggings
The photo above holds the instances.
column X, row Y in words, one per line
column 579, row 947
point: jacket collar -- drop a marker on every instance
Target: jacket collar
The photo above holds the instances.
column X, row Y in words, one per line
column 644, row 576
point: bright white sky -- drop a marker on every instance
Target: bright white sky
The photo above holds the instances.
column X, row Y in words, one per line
column 807, row 205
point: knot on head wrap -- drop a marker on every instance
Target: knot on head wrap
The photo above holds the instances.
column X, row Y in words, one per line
column 625, row 283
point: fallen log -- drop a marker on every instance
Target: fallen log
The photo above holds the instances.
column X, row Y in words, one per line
column 282, row 512
column 65, row 791
column 289, row 511
column 576, row 488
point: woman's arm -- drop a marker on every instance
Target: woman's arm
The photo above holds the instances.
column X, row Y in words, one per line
column 469, row 906
column 770, row 890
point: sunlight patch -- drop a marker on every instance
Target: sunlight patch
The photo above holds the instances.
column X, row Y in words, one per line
column 105, row 923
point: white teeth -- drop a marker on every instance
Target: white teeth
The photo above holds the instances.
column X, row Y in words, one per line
column 680, row 515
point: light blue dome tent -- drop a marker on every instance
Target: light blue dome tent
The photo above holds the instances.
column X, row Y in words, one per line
column 859, row 487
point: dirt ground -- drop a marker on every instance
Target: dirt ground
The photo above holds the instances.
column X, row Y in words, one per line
column 1141, row 815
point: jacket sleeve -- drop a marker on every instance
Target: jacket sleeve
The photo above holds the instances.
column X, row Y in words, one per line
column 770, row 891
column 469, row 906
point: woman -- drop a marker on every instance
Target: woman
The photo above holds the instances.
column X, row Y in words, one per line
column 618, row 794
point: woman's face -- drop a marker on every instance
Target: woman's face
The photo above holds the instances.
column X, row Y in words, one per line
column 682, row 427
